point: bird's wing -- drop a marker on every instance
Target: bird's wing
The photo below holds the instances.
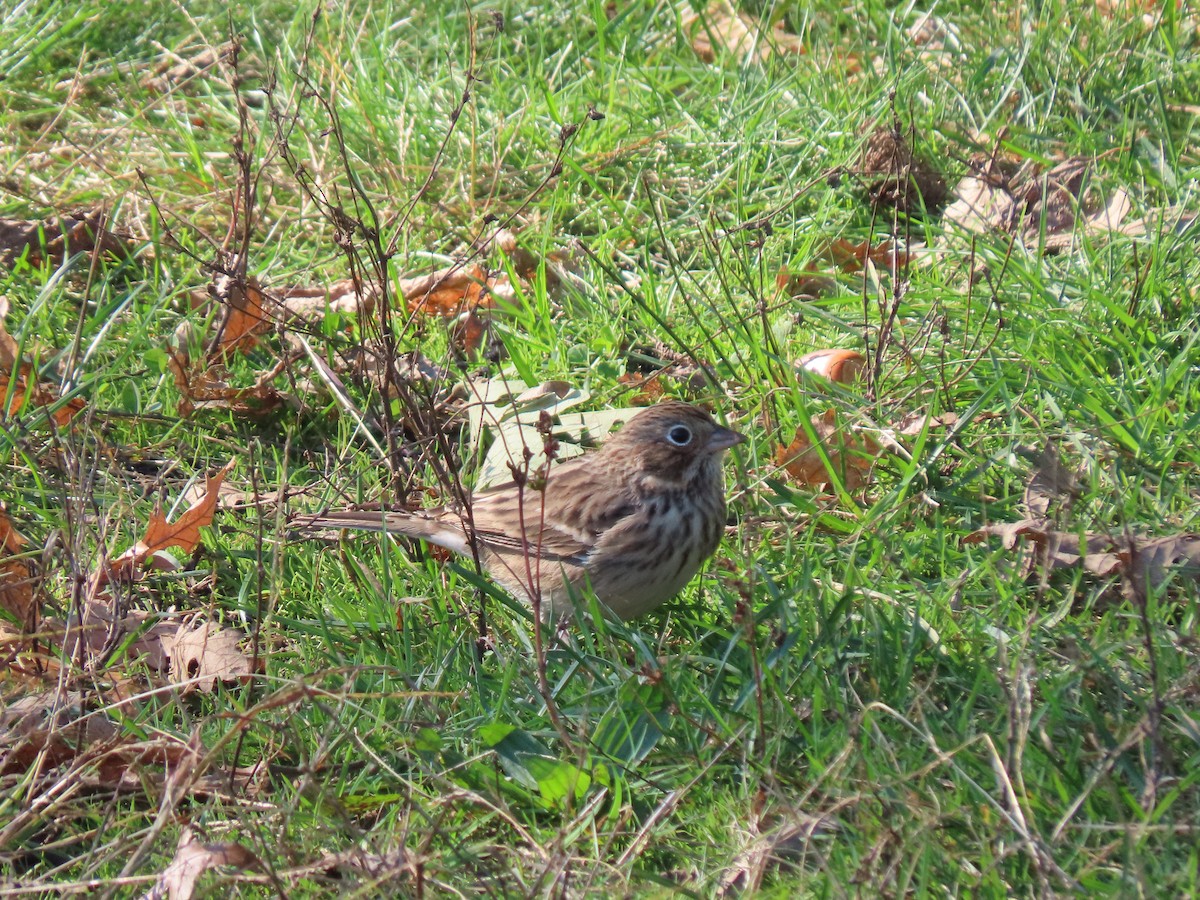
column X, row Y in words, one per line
column 561, row 523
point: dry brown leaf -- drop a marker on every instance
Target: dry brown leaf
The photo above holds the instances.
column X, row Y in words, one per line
column 1049, row 482
column 722, row 30
column 54, row 240
column 449, row 292
column 470, row 332
column 806, row 285
column 647, row 389
column 202, row 388
column 1050, row 197
column 51, row 725
column 50, row 729
column 649, row 368
column 101, row 629
column 983, row 203
column 851, row 257
column 193, row 859
column 847, row 256
column 1041, row 205
column 184, row 532
column 1133, row 555
column 203, row 655
column 16, row 576
column 851, row 455
column 834, row 364
column 161, row 535
column 312, row 303
column 916, row 422
column 42, row 395
column 245, row 316
column 9, row 352
column 57, row 735
column 379, row 867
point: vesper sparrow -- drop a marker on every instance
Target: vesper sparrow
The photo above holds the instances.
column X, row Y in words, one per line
column 633, row 521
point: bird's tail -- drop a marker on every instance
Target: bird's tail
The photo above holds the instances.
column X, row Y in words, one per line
column 410, row 524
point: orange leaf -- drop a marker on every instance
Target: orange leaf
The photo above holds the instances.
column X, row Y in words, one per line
column 8, row 347
column 647, row 389
column 448, row 292
column 16, row 578
column 852, row 456
column 851, row 257
column 833, row 363
column 183, row 533
column 245, row 316
column 470, row 332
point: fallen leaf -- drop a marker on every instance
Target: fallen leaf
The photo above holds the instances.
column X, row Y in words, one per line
column 245, row 316
column 1132, row 555
column 851, row 257
column 192, row 859
column 52, row 730
column 314, row 302
column 851, row 455
column 983, row 202
column 161, row 535
column 1049, row 482
column 470, row 332
column 9, row 352
column 1042, row 206
column 184, row 532
column 51, row 725
column 16, row 576
column 379, row 867
column 916, row 422
column 647, row 389
column 833, row 364
column 40, row 395
column 90, row 638
column 203, row 388
column 847, row 256
column 453, row 290
column 722, row 30
column 807, row 284
column 53, row 240
column 1051, row 196
column 203, row 655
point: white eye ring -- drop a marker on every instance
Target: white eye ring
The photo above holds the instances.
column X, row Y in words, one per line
column 679, row 435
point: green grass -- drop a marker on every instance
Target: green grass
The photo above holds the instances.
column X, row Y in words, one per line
column 851, row 700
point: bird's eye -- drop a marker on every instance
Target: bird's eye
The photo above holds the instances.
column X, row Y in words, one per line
column 680, row 435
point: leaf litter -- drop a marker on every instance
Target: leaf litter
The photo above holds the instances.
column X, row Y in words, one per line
column 53, row 239
column 47, row 724
column 1035, row 203
column 723, row 30
column 1136, row 557
column 192, row 859
column 18, row 381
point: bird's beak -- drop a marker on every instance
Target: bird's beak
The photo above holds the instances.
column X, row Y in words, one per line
column 724, row 438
